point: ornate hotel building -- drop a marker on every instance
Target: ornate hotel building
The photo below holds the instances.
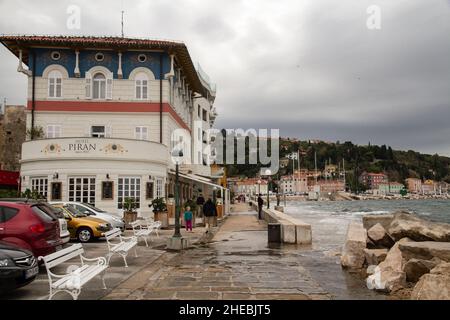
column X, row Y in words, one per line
column 100, row 115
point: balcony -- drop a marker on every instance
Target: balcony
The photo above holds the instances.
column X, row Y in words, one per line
column 94, row 149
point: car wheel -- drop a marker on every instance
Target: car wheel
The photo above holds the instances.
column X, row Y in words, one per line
column 84, row 234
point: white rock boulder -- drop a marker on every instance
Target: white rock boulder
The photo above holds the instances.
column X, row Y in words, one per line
column 353, row 255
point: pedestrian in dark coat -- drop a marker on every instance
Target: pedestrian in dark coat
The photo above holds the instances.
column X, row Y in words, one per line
column 260, row 205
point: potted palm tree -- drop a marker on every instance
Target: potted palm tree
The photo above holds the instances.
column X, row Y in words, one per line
column 129, row 213
column 160, row 212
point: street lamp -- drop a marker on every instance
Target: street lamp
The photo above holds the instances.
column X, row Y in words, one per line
column 177, row 156
column 259, row 188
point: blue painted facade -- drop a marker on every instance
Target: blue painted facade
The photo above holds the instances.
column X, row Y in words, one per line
column 111, row 61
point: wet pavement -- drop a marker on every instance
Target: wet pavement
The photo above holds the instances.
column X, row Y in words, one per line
column 115, row 274
column 236, row 264
column 232, row 261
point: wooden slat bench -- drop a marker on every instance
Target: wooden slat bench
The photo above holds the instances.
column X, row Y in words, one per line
column 76, row 276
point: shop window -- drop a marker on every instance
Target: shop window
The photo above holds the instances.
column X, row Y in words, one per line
column 56, row 191
column 53, row 131
column 159, row 188
column 82, row 189
column 107, row 190
column 40, row 185
column 149, row 192
column 129, row 187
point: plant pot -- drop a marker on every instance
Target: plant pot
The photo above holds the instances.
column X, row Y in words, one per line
column 129, row 216
column 163, row 217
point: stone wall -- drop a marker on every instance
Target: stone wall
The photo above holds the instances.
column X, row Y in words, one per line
column 12, row 135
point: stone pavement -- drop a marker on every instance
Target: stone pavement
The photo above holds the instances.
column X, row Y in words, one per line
column 235, row 264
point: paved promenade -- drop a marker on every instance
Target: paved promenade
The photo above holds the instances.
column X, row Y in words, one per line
column 235, row 264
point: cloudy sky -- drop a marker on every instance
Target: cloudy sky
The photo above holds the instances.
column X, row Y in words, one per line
column 311, row 68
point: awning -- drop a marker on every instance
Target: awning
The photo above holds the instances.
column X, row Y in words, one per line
column 195, row 178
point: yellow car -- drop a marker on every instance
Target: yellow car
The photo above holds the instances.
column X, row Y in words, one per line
column 81, row 226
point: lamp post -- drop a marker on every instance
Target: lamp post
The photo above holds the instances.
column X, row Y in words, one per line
column 178, row 155
column 259, row 188
column 268, row 173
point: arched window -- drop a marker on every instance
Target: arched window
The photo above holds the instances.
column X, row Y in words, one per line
column 55, row 84
column 141, row 82
column 99, row 86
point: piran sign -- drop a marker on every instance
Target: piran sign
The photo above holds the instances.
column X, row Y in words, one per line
column 82, row 146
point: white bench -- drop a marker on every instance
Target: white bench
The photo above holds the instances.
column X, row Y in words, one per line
column 141, row 230
column 120, row 245
column 76, row 276
column 154, row 225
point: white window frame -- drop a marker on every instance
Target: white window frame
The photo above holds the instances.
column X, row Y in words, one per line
column 54, row 131
column 40, row 184
column 98, row 135
column 159, row 187
column 78, row 195
column 99, row 89
column 129, row 187
column 141, row 133
column 141, row 83
column 54, row 82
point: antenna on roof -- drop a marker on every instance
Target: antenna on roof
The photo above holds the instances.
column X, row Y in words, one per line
column 122, row 24
column 122, row 20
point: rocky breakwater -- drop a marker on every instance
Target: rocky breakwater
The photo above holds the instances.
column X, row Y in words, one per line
column 400, row 252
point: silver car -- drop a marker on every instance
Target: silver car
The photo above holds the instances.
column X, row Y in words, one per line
column 115, row 220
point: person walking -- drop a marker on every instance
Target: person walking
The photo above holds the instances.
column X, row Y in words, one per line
column 260, row 205
column 188, row 218
column 209, row 211
column 200, row 202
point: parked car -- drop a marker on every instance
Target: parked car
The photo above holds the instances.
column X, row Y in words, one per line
column 83, row 227
column 91, row 211
column 30, row 226
column 18, row 267
column 63, row 231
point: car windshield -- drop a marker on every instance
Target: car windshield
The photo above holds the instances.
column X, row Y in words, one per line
column 94, row 208
column 74, row 211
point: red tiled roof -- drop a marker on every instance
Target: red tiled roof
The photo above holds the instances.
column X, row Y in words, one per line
column 16, row 42
column 9, row 178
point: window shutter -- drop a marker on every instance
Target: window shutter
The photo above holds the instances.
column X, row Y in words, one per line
column 87, row 132
column 88, row 85
column 108, row 132
column 109, row 84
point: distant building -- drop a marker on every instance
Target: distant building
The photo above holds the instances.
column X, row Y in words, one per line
column 12, row 135
column 373, row 180
column 429, row 187
column 294, row 184
column 250, row 186
column 329, row 186
column 390, row 188
column 414, row 185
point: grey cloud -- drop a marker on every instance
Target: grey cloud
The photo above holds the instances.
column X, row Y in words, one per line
column 311, row 68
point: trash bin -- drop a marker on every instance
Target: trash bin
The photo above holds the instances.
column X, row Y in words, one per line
column 274, row 232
